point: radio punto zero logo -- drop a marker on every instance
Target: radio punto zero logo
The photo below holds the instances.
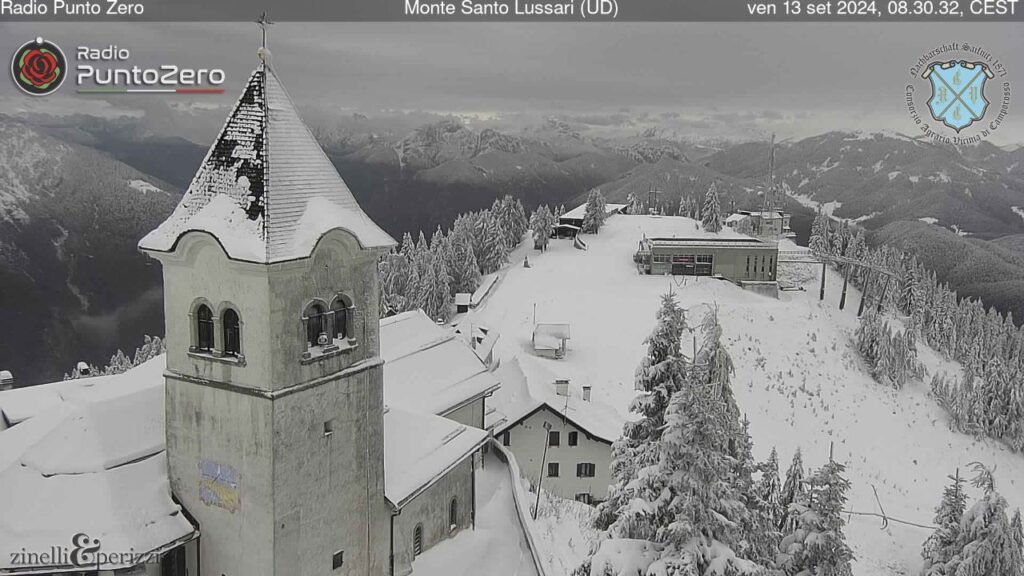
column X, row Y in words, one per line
column 39, row 67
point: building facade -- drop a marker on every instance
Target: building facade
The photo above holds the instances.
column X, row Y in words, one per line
column 736, row 258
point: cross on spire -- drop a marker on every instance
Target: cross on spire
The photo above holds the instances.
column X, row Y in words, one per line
column 263, row 21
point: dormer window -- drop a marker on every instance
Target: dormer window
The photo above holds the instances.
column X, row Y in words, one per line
column 204, row 329
column 232, row 333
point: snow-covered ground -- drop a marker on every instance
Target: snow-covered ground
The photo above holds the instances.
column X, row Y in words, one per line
column 798, row 376
column 496, row 546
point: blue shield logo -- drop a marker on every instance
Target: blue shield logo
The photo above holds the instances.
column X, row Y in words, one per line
column 958, row 92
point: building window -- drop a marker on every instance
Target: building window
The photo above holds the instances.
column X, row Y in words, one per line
column 315, row 324
column 506, row 439
column 232, row 333
column 574, row 438
column 341, row 318
column 554, row 438
column 417, row 540
column 338, row 560
column 584, row 497
column 453, row 514
column 204, row 329
column 585, row 470
column 704, row 259
column 552, row 469
column 748, row 265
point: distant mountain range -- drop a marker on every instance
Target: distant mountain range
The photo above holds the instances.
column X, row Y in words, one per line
column 73, row 285
column 77, row 193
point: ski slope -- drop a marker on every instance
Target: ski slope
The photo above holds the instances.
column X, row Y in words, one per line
column 798, row 376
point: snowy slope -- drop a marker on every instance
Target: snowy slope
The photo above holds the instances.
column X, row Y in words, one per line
column 798, row 378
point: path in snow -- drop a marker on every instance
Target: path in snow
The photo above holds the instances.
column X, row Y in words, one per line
column 496, row 547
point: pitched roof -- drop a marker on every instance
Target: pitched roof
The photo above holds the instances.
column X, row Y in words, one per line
column 90, row 454
column 527, row 385
column 428, row 369
column 266, row 190
column 420, row 448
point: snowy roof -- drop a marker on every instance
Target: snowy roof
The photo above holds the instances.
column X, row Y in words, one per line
column 736, row 217
column 527, row 385
column 6, row 375
column 266, row 190
column 769, row 214
column 420, row 448
column 578, row 212
column 463, row 299
column 87, row 456
column 428, row 369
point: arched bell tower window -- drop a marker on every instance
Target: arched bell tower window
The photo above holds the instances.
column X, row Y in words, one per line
column 204, row 329
column 316, row 325
column 343, row 316
column 232, row 333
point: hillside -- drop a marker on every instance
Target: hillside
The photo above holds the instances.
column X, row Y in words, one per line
column 881, row 178
column 74, row 286
column 798, row 378
column 974, row 268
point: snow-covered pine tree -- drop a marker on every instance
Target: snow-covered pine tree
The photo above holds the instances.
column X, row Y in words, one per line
column 704, row 509
column 661, row 373
column 942, row 546
column 792, row 491
column 464, row 270
column 594, row 214
column 541, row 222
column 988, row 545
column 769, row 491
column 716, row 360
column 492, row 251
column 438, row 299
column 817, row 544
column 683, row 208
column 820, row 230
column 711, row 219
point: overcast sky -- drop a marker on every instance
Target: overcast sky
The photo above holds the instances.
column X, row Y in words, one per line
column 799, row 79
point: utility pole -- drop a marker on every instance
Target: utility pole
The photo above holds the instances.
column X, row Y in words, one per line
column 864, row 295
column 543, row 458
column 769, row 188
column 846, row 280
column 824, row 266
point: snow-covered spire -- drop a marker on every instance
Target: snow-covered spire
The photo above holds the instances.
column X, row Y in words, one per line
column 266, row 189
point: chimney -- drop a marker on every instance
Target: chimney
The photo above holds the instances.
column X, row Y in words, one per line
column 562, row 387
column 6, row 380
column 586, row 393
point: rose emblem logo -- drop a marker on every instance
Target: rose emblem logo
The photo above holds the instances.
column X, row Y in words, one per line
column 39, row 67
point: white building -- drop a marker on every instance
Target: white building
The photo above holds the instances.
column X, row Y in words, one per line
column 577, row 461
column 260, row 443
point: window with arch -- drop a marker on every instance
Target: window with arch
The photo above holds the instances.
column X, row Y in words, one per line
column 453, row 513
column 204, row 328
column 417, row 540
column 316, row 323
column 342, row 312
column 232, row 327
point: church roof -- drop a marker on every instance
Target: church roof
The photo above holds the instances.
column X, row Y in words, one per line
column 427, row 368
column 266, row 190
column 91, row 453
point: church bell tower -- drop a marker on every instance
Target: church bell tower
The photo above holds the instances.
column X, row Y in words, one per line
column 274, row 389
